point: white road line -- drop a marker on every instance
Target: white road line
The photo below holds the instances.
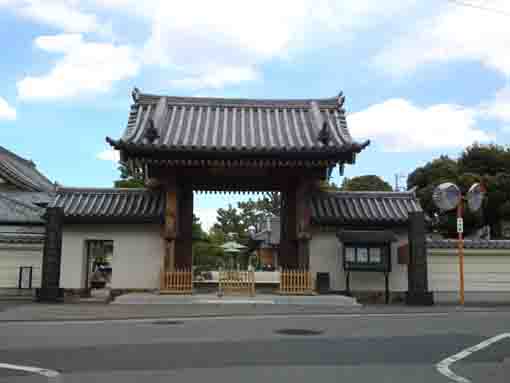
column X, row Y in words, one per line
column 52, row 375
column 444, row 366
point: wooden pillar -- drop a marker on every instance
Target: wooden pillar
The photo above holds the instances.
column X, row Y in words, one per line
column 288, row 257
column 170, row 231
column 184, row 250
column 303, row 217
column 295, row 224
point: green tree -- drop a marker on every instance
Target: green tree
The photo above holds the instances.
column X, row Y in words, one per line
column 253, row 211
column 488, row 164
column 198, row 234
column 485, row 160
column 365, row 183
column 230, row 221
column 129, row 180
column 328, row 186
column 426, row 178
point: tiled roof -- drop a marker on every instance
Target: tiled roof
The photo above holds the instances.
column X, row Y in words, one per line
column 368, row 236
column 203, row 124
column 469, row 244
column 21, row 238
column 22, row 208
column 362, row 208
column 103, row 205
column 22, row 173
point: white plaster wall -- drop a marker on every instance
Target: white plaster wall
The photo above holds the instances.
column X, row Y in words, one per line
column 486, row 276
column 326, row 256
column 137, row 252
column 12, row 256
column 483, row 272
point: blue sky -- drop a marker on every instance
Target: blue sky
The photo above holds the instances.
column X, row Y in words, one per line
column 421, row 78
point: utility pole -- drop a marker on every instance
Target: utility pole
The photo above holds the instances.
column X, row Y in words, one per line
column 398, row 176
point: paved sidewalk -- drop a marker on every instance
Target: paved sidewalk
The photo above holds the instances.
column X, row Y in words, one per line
column 264, row 299
column 81, row 312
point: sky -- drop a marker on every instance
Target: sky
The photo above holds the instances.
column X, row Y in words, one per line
column 421, row 78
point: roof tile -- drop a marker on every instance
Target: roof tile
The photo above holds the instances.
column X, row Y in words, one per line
column 346, row 208
column 192, row 123
column 469, row 244
column 22, row 173
column 113, row 203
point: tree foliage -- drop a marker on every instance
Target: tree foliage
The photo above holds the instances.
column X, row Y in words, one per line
column 365, row 183
column 128, row 180
column 236, row 221
column 488, row 164
column 328, row 186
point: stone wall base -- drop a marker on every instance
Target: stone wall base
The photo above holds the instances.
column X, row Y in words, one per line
column 49, row 294
column 420, row 299
column 376, row 297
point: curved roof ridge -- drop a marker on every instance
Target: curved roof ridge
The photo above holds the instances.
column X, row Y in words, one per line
column 121, row 205
column 144, row 98
column 22, row 173
column 5, row 195
column 371, row 193
column 363, row 208
column 77, row 189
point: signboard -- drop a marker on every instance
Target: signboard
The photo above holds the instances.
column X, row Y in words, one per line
column 460, row 225
column 361, row 257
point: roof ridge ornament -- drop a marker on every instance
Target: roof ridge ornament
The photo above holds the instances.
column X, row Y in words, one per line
column 324, row 134
column 135, row 94
column 340, row 99
column 151, row 133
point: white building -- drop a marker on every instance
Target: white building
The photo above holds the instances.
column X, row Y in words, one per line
column 24, row 193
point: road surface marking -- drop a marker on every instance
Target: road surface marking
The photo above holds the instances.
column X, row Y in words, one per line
column 444, row 366
column 51, row 374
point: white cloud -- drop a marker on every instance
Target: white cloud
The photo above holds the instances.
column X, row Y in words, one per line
column 217, row 78
column 211, row 44
column 207, row 216
column 109, row 155
column 499, row 106
column 398, row 125
column 63, row 14
column 455, row 33
column 86, row 67
column 204, row 41
column 7, row 112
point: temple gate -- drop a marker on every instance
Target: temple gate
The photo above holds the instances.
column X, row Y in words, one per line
column 186, row 144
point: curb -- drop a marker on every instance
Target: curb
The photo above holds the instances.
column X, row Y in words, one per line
column 354, row 313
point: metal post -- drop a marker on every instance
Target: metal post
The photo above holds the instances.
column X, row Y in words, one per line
column 460, row 245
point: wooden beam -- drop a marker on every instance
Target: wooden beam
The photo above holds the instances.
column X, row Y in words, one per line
column 171, row 213
column 183, row 253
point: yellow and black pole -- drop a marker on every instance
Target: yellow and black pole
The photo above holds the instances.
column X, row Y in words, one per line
column 460, row 246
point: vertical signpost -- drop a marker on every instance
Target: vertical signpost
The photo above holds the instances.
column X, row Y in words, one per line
column 447, row 196
column 460, row 245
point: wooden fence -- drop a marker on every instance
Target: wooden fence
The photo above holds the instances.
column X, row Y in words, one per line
column 179, row 281
column 240, row 282
column 296, row 282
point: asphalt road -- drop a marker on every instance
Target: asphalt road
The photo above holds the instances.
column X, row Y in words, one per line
column 348, row 348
